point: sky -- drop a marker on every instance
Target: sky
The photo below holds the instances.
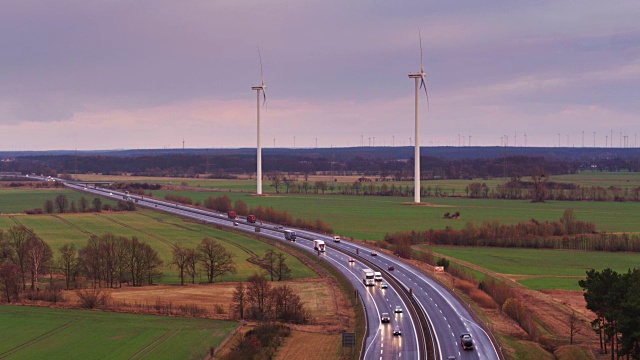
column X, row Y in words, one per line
column 92, row 75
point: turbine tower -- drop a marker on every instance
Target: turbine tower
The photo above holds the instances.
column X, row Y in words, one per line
column 419, row 77
column 259, row 88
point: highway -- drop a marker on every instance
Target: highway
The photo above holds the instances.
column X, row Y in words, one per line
column 381, row 343
column 444, row 312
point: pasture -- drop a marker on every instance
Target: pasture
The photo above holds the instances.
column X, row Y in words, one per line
column 29, row 332
column 541, row 269
column 158, row 230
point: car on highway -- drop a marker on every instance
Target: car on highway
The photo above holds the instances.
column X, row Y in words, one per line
column 397, row 331
column 278, row 227
column 385, row 318
column 235, row 223
column 336, row 238
column 374, row 253
column 384, row 285
column 391, row 268
column 398, row 309
column 351, row 259
column 466, row 342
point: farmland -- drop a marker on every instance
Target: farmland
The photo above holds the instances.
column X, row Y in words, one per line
column 541, row 269
column 156, row 229
column 38, row 333
column 371, row 217
column 15, row 201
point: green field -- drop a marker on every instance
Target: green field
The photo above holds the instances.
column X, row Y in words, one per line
column 457, row 187
column 553, row 269
column 41, row 333
column 16, row 201
column 371, row 217
column 158, row 230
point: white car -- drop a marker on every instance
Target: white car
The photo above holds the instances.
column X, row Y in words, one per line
column 336, row 238
column 398, row 310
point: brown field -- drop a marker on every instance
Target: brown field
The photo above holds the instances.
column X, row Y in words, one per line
column 315, row 293
column 310, row 346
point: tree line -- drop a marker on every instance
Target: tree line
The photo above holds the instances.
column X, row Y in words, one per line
column 389, row 163
column 566, row 233
column 615, row 299
column 61, row 205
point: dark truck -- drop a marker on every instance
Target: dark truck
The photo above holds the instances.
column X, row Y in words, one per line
column 231, row 214
column 251, row 218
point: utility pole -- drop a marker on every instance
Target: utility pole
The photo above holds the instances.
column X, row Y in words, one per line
column 458, row 140
column 525, row 139
column 469, row 140
column 594, row 139
column 559, row 140
column 316, row 143
column 274, row 142
column 393, row 140
column 606, row 141
column 515, row 139
column 582, row 138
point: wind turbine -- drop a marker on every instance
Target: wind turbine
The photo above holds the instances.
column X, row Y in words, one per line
column 259, row 88
column 419, row 77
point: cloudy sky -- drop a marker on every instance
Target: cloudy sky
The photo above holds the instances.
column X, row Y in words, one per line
column 148, row 74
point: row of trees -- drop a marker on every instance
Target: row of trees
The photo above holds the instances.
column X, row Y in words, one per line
column 209, row 256
column 259, row 300
column 61, row 205
column 615, row 299
column 110, row 261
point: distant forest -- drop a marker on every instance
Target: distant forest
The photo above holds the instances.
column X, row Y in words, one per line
column 386, row 162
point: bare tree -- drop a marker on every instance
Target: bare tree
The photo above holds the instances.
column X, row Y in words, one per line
column 68, row 261
column 97, row 205
column 84, row 204
column 9, row 279
column 258, row 293
column 281, row 269
column 61, row 203
column 269, row 261
column 238, row 300
column 48, row 206
column 38, row 253
column 215, row 259
column 180, row 260
column 192, row 259
column 18, row 237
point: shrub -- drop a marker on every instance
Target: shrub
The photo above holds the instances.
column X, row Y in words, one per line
column 92, row 298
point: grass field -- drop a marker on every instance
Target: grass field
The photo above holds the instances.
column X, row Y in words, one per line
column 371, row 217
column 586, row 178
column 542, row 269
column 41, row 333
column 15, row 201
column 159, row 230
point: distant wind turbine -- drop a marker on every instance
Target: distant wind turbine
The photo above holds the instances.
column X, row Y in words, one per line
column 259, row 88
column 419, row 84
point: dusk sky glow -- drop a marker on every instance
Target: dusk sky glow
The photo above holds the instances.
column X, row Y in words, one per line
column 147, row 74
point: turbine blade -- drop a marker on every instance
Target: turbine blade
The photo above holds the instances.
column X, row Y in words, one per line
column 421, row 60
column 261, row 73
column 424, row 84
column 264, row 98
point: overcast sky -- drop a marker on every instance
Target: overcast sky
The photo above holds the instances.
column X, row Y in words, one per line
column 148, row 74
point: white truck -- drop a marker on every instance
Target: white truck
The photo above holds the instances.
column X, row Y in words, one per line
column 367, row 277
column 319, row 245
column 377, row 276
